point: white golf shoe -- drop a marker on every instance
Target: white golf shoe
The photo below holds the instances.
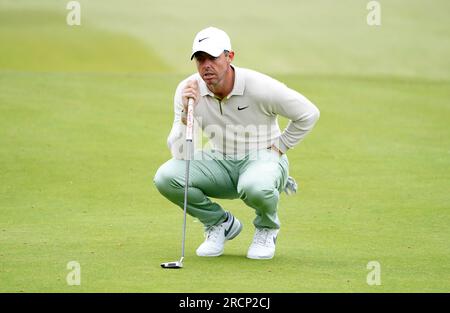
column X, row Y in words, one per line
column 217, row 235
column 263, row 245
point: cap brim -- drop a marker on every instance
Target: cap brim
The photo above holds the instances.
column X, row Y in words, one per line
column 211, row 52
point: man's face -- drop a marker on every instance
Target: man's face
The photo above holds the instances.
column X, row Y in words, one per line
column 213, row 69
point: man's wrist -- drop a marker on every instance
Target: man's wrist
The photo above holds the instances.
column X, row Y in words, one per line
column 273, row 147
column 183, row 117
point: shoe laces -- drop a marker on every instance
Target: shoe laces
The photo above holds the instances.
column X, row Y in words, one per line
column 213, row 232
column 262, row 236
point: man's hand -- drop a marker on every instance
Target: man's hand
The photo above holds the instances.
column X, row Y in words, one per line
column 273, row 147
column 191, row 90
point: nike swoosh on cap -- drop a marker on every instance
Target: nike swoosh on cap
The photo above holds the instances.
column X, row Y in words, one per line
column 200, row 40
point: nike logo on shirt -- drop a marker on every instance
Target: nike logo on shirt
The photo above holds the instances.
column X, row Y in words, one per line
column 239, row 108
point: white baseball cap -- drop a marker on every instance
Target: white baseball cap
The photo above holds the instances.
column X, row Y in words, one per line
column 212, row 41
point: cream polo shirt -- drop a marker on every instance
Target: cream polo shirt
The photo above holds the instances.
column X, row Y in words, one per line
column 245, row 120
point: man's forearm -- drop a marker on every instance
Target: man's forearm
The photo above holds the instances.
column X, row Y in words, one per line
column 297, row 130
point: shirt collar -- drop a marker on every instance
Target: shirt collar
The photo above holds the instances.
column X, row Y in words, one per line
column 238, row 88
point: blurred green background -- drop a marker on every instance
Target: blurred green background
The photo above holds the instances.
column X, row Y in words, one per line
column 85, row 111
column 287, row 37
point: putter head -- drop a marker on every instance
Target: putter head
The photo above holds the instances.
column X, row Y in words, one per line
column 174, row 264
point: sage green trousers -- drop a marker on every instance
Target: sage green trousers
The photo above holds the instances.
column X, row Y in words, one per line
column 256, row 178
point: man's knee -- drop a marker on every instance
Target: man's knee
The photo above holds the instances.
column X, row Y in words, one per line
column 256, row 193
column 165, row 177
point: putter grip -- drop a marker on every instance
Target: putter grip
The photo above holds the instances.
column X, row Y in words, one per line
column 190, row 120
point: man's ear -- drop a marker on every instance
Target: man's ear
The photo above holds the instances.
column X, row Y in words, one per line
column 230, row 56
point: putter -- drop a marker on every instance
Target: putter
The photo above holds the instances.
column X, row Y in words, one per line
column 189, row 136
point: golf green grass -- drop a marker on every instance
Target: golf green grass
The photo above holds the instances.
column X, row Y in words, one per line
column 85, row 112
